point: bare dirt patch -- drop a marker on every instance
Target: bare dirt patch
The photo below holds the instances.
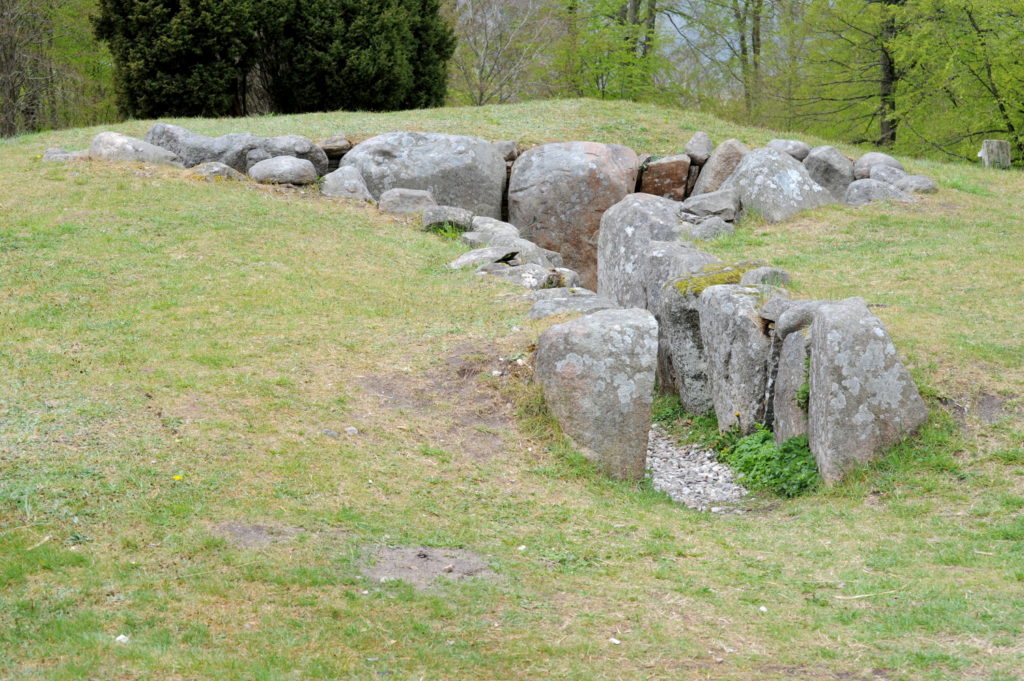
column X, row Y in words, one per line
column 423, row 566
column 255, row 535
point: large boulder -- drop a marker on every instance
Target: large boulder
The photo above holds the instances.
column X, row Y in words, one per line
column 118, row 148
column 346, row 183
column 862, row 168
column 862, row 192
column 284, row 170
column 719, row 166
column 597, row 376
column 738, row 350
column 917, row 184
column 662, row 262
column 862, row 399
column 831, row 169
column 458, row 171
column 775, row 185
column 558, row 193
column 626, row 229
column 666, row 177
column 241, row 151
column 699, row 148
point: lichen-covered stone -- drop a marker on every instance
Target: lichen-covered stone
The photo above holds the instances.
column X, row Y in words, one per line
column 558, row 193
column 776, row 186
column 570, row 304
column 862, row 399
column 241, row 151
column 721, row 164
column 597, row 376
column 791, row 380
column 738, row 350
column 626, row 229
column 765, row 276
column 457, row 170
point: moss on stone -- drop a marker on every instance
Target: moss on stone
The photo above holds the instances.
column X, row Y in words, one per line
column 715, row 274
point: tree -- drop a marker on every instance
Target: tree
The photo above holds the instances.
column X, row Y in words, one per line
column 216, row 57
column 26, row 32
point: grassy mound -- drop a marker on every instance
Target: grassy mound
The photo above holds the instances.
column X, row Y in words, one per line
column 180, row 360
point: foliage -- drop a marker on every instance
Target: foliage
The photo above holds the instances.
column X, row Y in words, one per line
column 212, row 58
column 788, row 470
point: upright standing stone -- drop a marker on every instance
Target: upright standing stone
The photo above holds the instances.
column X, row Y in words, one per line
column 862, row 400
column 699, row 148
column 831, row 169
column 597, row 375
column 626, row 229
column 791, row 380
column 667, row 177
column 558, row 193
column 680, row 317
column 720, row 166
column 995, row 154
column 738, row 350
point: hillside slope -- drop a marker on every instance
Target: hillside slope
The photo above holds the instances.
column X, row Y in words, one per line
column 179, row 362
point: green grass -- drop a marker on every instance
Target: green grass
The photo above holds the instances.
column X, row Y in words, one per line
column 172, row 353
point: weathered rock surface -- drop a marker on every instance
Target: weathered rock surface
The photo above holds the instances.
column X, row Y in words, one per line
column 737, row 350
column 626, row 229
column 404, row 201
column 917, row 184
column 63, row 155
column 508, row 149
column 667, row 177
column 435, row 217
column 862, row 400
column 457, row 171
column 885, row 173
column 578, row 304
column 347, row 183
column 708, row 229
column 719, row 166
column 831, row 169
column 862, row 168
column 723, row 203
column 790, row 416
column 597, row 376
column 495, row 227
column 794, row 148
column 699, row 148
column 241, row 151
column 484, row 256
column 117, row 148
column 862, row 192
column 214, row 171
column 558, row 192
column 558, row 292
column 765, row 276
column 776, row 185
column 336, row 146
column 284, row 170
column 529, row 276
column 662, row 262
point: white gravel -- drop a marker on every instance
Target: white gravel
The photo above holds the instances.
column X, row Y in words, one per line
column 691, row 475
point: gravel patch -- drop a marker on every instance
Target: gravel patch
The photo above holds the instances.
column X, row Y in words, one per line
column 691, row 475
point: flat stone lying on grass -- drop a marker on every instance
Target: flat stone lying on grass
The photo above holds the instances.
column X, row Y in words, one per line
column 241, row 151
column 550, row 307
column 862, row 192
column 436, row 217
column 118, row 148
column 423, row 567
column 597, row 376
column 405, row 201
column 63, row 155
column 346, row 183
column 284, row 170
column 558, row 292
column 214, row 171
column 529, row 276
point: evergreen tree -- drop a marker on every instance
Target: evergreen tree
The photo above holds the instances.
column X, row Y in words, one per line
column 219, row 57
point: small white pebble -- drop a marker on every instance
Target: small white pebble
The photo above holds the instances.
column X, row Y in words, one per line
column 521, row 548
column 495, row 373
column 366, row 593
column 614, row 641
column 122, row 639
column 763, row 609
column 352, row 430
